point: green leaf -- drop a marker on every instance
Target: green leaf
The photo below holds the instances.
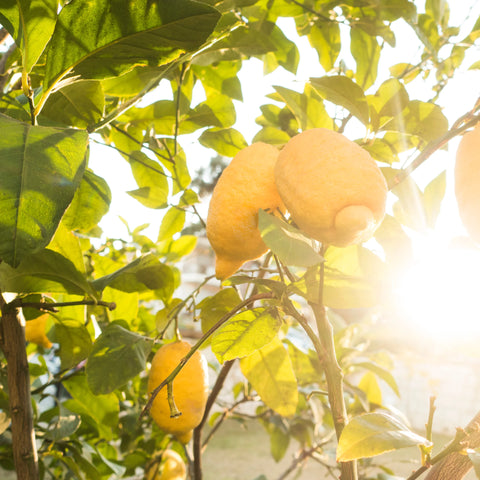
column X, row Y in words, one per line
column 226, row 141
column 45, row 271
column 343, row 91
column 31, row 24
column 172, row 223
column 151, row 179
column 432, row 198
column 63, row 425
column 272, row 135
column 116, row 346
column 325, row 38
column 66, row 243
column 79, row 105
column 270, row 372
column 279, row 436
column 382, row 373
column 308, row 107
column 4, row 422
column 213, row 308
column 101, row 409
column 369, row 385
column 74, row 341
column 144, row 273
column 366, row 52
column 286, row 53
column 244, row 334
column 92, row 40
column 40, row 170
column 423, row 119
column 373, row 434
column 286, row 241
column 220, row 77
column 90, row 203
column 180, row 247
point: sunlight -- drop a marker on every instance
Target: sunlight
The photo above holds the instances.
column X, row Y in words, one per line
column 439, row 294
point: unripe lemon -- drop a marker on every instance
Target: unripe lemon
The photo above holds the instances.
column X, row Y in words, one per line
column 332, row 188
column 35, row 331
column 467, row 182
column 190, row 389
column 246, row 185
column 171, row 467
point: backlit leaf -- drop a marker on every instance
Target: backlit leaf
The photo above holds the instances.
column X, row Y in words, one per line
column 227, row 141
column 325, row 39
column 244, row 333
column 373, row 434
column 343, row 91
column 366, row 52
column 213, row 308
column 40, row 170
column 270, row 372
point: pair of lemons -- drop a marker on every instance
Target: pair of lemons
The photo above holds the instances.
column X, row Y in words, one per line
column 332, row 188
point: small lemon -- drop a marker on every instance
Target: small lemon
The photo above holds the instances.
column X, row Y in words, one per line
column 35, row 331
column 332, row 188
column 467, row 182
column 170, row 467
column 246, row 185
column 190, row 389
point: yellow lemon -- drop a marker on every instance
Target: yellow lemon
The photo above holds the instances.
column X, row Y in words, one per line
column 467, row 182
column 190, row 389
column 246, row 185
column 170, row 467
column 332, row 188
column 35, row 331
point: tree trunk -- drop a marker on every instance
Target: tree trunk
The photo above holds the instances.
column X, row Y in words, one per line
column 12, row 342
column 455, row 466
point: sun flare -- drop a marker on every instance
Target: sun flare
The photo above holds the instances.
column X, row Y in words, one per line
column 439, row 295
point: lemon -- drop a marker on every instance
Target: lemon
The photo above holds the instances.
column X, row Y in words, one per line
column 467, row 182
column 332, row 188
column 190, row 389
column 246, row 185
column 170, row 467
column 35, row 331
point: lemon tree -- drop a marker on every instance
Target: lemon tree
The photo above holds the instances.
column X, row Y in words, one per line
column 307, row 223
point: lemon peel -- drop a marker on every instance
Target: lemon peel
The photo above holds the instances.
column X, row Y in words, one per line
column 246, row 185
column 190, row 389
column 467, row 182
column 334, row 191
column 170, row 467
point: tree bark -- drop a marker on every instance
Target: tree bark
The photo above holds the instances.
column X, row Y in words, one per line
column 455, row 466
column 12, row 342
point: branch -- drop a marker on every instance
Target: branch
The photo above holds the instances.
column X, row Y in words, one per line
column 432, row 147
column 455, row 465
column 333, row 373
column 197, row 433
column 12, row 342
column 52, row 307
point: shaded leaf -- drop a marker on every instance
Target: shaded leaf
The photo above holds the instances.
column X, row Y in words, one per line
column 144, row 273
column 116, row 346
column 74, row 341
column 213, row 308
column 286, row 241
column 45, row 271
column 271, row 135
column 94, row 40
column 63, row 425
column 270, row 372
column 79, row 105
column 40, row 170
column 244, row 333
column 343, row 91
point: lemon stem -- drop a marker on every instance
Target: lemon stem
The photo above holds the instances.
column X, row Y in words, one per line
column 174, row 411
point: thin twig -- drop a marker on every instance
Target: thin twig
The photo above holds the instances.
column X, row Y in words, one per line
column 52, row 307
